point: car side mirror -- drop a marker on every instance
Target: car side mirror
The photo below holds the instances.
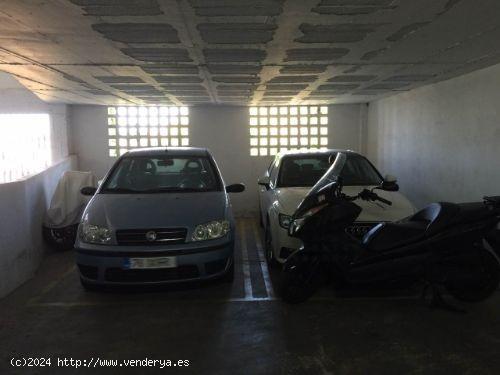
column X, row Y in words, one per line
column 264, row 181
column 88, row 191
column 390, row 183
column 235, row 188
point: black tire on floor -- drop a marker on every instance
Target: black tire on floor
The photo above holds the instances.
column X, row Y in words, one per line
column 268, row 246
column 228, row 277
column 90, row 287
column 61, row 239
column 479, row 279
column 301, row 277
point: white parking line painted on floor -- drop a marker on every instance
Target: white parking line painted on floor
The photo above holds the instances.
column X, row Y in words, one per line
column 244, row 255
column 156, row 303
column 218, row 300
column 263, row 262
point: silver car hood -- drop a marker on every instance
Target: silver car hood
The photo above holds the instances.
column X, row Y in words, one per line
column 134, row 211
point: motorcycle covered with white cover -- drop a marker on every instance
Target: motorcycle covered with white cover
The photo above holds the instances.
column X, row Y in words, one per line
column 66, row 207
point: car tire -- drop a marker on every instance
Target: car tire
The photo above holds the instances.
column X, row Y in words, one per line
column 228, row 277
column 268, row 246
column 261, row 223
column 61, row 239
column 89, row 287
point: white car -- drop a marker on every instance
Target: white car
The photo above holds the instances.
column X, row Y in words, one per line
column 292, row 174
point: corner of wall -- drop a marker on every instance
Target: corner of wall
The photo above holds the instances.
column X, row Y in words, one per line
column 363, row 127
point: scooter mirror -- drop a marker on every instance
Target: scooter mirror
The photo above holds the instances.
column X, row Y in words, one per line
column 390, row 178
column 389, row 183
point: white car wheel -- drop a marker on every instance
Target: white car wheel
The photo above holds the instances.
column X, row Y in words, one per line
column 268, row 246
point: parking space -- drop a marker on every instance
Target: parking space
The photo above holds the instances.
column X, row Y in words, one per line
column 134, row 132
column 252, row 281
column 242, row 327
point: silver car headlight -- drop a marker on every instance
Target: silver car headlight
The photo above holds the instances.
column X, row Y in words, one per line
column 94, row 234
column 211, row 230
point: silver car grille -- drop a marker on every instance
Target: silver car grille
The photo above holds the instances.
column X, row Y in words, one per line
column 151, row 237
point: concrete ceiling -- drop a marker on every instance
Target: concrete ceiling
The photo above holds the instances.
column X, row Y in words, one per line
column 242, row 52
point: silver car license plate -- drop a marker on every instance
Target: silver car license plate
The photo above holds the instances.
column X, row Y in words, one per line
column 145, row 263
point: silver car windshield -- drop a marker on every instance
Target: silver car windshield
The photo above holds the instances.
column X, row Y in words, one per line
column 157, row 174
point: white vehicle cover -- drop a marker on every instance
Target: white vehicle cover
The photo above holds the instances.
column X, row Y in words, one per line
column 67, row 203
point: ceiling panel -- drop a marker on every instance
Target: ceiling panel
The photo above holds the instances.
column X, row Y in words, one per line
column 242, row 52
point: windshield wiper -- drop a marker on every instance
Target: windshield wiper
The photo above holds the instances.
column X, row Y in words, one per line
column 172, row 189
column 119, row 190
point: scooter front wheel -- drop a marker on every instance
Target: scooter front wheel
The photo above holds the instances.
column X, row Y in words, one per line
column 478, row 277
column 302, row 276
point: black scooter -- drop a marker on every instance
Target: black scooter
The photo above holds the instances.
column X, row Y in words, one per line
column 444, row 246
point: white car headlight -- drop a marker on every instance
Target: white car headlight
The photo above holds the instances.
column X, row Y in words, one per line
column 211, row 231
column 94, row 234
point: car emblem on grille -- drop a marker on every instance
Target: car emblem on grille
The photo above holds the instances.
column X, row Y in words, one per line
column 151, row 236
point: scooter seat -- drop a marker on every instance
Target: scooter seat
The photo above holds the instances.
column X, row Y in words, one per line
column 386, row 236
column 424, row 223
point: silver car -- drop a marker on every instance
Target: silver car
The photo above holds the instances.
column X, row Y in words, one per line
column 159, row 216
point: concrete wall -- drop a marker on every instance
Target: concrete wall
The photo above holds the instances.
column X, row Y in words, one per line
column 23, row 203
column 14, row 98
column 22, row 207
column 441, row 141
column 223, row 129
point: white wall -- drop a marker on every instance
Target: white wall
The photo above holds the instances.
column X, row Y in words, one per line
column 22, row 207
column 222, row 129
column 14, row 98
column 441, row 141
column 23, row 203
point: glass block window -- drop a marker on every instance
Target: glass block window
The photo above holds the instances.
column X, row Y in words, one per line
column 25, row 146
column 142, row 127
column 276, row 129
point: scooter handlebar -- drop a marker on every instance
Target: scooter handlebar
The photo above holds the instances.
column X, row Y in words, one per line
column 387, row 202
column 369, row 195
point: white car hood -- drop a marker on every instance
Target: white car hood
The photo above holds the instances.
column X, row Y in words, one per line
column 289, row 198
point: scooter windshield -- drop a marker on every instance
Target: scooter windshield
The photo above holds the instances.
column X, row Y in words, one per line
column 316, row 195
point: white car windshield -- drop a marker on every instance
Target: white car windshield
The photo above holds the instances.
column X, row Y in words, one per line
column 156, row 174
column 306, row 170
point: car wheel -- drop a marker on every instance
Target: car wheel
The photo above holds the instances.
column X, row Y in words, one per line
column 261, row 223
column 90, row 287
column 61, row 239
column 268, row 246
column 228, row 277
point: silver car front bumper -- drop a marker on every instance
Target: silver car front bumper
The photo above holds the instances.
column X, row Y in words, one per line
column 106, row 265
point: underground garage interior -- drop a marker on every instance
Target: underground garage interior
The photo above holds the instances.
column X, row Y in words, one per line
column 255, row 187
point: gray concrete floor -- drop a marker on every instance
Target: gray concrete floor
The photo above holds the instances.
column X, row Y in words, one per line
column 240, row 328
